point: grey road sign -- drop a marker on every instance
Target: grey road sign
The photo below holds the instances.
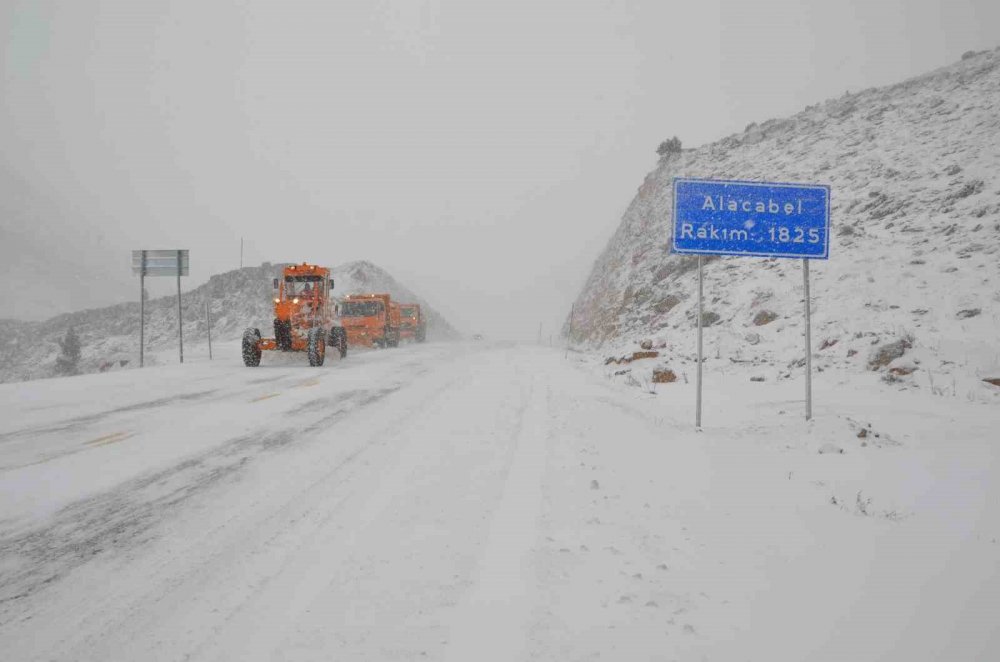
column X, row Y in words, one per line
column 161, row 263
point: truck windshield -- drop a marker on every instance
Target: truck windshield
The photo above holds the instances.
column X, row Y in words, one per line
column 408, row 312
column 360, row 308
column 297, row 286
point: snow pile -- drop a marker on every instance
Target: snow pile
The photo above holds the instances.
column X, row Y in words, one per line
column 237, row 299
column 911, row 290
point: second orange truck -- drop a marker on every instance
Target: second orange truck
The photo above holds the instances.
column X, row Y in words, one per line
column 370, row 320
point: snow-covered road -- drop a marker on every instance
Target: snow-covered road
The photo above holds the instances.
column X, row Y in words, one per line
column 482, row 502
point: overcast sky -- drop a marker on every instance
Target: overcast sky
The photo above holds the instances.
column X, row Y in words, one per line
column 482, row 152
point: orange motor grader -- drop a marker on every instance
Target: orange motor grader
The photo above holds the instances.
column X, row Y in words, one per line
column 305, row 317
column 370, row 320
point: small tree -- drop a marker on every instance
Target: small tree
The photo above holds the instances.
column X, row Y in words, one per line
column 668, row 147
column 68, row 361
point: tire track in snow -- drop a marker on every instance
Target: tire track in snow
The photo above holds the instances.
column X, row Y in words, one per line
column 117, row 519
column 126, row 618
column 286, row 567
column 382, row 578
column 322, row 565
column 494, row 617
column 83, row 421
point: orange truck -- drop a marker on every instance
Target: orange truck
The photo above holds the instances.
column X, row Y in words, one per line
column 305, row 317
column 370, row 320
column 412, row 325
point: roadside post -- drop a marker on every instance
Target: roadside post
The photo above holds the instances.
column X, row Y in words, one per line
column 160, row 263
column 208, row 325
column 752, row 219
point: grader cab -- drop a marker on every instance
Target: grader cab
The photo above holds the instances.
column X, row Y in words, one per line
column 305, row 317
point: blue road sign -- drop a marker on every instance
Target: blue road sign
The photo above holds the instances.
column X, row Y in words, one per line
column 721, row 217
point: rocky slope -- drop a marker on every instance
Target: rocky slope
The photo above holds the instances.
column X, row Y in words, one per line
column 912, row 285
column 238, row 299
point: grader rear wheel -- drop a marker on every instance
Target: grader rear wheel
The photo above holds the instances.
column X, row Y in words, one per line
column 338, row 339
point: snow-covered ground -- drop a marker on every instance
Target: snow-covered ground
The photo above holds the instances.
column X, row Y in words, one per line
column 491, row 502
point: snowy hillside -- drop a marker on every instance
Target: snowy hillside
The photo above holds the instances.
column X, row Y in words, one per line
column 912, row 286
column 239, row 299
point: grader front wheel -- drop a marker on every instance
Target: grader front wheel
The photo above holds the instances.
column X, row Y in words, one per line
column 251, row 348
column 316, row 347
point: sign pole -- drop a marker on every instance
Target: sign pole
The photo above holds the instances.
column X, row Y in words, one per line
column 142, row 306
column 701, row 288
column 180, row 322
column 159, row 263
column 208, row 323
column 809, row 395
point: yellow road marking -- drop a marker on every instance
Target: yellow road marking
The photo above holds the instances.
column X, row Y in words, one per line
column 108, row 439
column 265, row 397
column 311, row 382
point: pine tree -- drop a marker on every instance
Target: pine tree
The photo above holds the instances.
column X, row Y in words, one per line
column 668, row 147
column 68, row 361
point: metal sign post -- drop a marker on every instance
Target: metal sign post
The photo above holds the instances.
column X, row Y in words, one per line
column 727, row 217
column 701, row 290
column 208, row 325
column 160, row 263
column 809, row 385
column 180, row 321
column 142, row 305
